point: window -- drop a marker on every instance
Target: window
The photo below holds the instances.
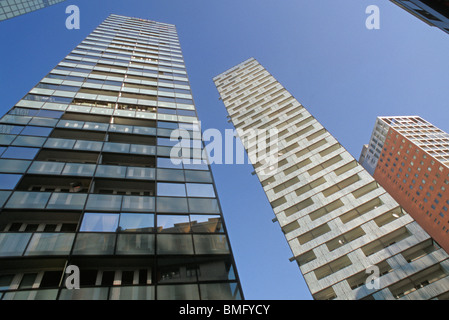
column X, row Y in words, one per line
column 171, row 189
column 200, row 190
column 173, row 223
column 20, row 153
column 9, row 181
column 99, row 222
column 136, row 222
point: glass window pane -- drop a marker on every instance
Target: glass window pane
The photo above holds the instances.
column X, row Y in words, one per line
column 78, row 169
column 174, row 244
column 9, row 181
column 206, row 223
column 42, row 167
column 100, row 222
column 198, row 176
column 220, row 291
column 10, row 129
column 60, row 143
column 13, row 244
column 203, row 205
column 167, row 163
column 33, row 200
column 140, row 173
column 94, row 243
column 173, row 223
column 136, row 244
column 111, row 171
column 133, row 293
column 116, row 147
column 138, row 203
column 200, row 190
column 178, row 292
column 36, row 131
column 143, row 149
column 84, row 294
column 50, row 244
column 88, row 145
column 6, row 139
column 170, row 175
column 210, row 244
column 174, row 205
column 136, row 222
column 14, row 166
column 104, row 202
column 20, row 153
column 171, row 189
column 68, row 201
column 216, row 269
column 29, row 141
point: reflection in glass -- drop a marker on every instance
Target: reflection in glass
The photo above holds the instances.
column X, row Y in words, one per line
column 210, row 244
column 68, row 201
column 200, row 190
column 13, row 244
column 170, row 175
column 136, row 222
column 9, row 181
column 171, row 189
column 99, row 222
column 173, row 223
column 220, row 291
column 84, row 294
column 50, row 244
column 174, row 244
column 212, row 269
column 138, row 203
column 178, row 292
column 206, row 223
column 174, row 270
column 104, row 202
column 197, row 205
column 94, row 243
column 132, row 293
column 173, row 205
column 135, row 244
column 20, row 153
column 31, row 200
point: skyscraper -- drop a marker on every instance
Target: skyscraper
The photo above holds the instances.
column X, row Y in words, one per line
column 88, row 180
column 349, row 237
column 433, row 12
column 13, row 8
column 409, row 157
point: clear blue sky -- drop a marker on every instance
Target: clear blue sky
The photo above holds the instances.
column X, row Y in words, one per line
column 320, row 50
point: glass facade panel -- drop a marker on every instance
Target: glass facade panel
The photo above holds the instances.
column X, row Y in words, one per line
column 200, row 190
column 28, row 141
column 77, row 169
column 13, row 244
column 20, row 153
column 9, row 181
column 178, row 292
column 173, row 223
column 110, row 171
column 210, row 244
column 67, row 201
column 99, row 222
column 141, row 173
column 198, row 176
column 84, row 294
column 42, row 167
column 104, row 202
column 32, row 200
column 136, row 222
column 136, row 244
column 174, row 244
column 220, row 291
column 138, row 203
column 170, row 175
column 50, row 244
column 173, row 205
column 206, row 223
column 94, row 244
column 171, row 189
column 88, row 145
column 42, row 294
column 203, row 205
column 133, row 293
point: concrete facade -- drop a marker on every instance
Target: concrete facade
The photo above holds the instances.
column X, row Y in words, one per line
column 336, row 219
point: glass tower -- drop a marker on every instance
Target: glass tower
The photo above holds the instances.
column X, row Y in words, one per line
column 13, row 8
column 87, row 178
column 349, row 237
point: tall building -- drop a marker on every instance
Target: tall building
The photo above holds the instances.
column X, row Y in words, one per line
column 88, row 180
column 409, row 157
column 13, row 8
column 349, row 237
column 433, row 12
